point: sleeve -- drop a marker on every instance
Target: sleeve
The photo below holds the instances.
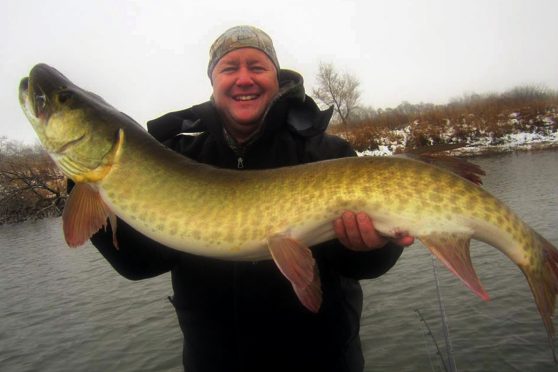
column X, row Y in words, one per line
column 351, row 264
column 137, row 256
column 324, row 147
column 360, row 265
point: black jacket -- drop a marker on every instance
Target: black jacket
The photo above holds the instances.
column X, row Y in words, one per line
column 244, row 316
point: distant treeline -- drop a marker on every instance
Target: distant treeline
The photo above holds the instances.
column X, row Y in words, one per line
column 521, row 108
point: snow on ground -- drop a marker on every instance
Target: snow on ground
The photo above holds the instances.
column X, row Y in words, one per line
column 524, row 137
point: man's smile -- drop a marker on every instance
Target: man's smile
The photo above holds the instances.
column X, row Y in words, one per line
column 249, row 97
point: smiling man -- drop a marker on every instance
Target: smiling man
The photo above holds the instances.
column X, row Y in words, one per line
column 244, row 316
column 244, row 84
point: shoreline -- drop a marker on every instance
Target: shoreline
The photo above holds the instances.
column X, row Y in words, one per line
column 479, row 148
column 502, row 149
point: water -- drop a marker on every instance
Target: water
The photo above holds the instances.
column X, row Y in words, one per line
column 505, row 334
column 68, row 310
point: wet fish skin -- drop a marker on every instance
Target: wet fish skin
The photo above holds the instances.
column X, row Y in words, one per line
column 275, row 213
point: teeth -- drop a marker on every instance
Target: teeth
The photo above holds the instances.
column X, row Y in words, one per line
column 245, row 98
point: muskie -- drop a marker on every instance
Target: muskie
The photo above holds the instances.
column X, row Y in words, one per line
column 120, row 170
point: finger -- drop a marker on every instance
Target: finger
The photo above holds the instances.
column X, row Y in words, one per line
column 352, row 230
column 339, row 229
column 368, row 233
column 405, row 241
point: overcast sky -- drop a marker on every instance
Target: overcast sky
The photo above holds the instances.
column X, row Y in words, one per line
column 150, row 57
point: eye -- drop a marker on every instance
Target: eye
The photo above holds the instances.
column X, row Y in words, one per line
column 64, row 96
column 227, row 69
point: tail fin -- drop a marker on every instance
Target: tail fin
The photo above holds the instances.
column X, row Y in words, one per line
column 544, row 285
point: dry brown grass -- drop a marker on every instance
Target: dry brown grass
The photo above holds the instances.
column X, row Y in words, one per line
column 520, row 109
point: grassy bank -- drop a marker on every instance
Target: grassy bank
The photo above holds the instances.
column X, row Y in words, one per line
column 521, row 118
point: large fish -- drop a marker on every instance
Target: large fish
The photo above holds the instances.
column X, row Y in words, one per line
column 120, row 170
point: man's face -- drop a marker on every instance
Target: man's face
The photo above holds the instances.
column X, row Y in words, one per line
column 244, row 83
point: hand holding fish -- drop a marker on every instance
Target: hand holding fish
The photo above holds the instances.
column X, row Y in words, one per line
column 356, row 232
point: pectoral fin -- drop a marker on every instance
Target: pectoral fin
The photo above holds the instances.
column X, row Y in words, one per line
column 84, row 214
column 296, row 262
column 453, row 251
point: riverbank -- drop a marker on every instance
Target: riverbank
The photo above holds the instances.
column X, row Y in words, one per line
column 516, row 133
column 512, row 143
column 24, row 215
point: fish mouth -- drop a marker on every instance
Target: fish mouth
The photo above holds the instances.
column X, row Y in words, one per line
column 24, row 97
column 23, row 89
column 33, row 99
column 35, row 102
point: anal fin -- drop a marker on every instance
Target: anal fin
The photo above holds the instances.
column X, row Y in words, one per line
column 84, row 214
column 453, row 251
column 296, row 262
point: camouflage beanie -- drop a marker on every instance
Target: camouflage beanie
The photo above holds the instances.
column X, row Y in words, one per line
column 241, row 37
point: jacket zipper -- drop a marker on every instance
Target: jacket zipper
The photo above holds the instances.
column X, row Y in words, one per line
column 240, row 162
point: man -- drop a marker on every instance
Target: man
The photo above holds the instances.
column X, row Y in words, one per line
column 244, row 316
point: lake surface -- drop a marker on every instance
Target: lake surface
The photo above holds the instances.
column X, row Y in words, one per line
column 68, row 310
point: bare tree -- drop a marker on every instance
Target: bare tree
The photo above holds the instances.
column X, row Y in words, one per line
column 337, row 90
column 30, row 184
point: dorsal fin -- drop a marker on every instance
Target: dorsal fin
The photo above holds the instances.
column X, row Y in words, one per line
column 434, row 155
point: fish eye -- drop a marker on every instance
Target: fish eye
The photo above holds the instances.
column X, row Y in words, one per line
column 64, row 96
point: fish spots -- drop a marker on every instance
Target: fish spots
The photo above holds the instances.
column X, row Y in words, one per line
column 367, row 190
column 243, row 235
column 229, row 236
column 457, row 209
column 435, row 197
column 472, row 200
column 173, row 227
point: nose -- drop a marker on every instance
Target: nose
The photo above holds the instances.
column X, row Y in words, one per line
column 244, row 78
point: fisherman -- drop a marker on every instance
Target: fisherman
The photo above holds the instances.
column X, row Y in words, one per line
column 244, row 316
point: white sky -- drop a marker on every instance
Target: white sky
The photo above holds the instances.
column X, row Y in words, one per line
column 149, row 57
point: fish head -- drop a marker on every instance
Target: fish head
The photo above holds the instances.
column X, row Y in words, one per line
column 73, row 125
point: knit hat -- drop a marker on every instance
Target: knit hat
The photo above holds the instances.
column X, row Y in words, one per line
column 241, row 37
